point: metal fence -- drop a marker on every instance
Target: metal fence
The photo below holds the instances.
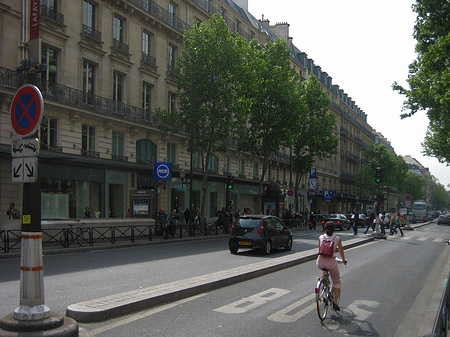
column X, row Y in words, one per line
column 10, row 240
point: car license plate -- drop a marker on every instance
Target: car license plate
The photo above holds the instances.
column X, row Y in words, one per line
column 245, row 243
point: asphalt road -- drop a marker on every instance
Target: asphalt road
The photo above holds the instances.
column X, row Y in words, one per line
column 387, row 275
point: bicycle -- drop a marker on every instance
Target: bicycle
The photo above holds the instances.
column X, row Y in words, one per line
column 70, row 235
column 324, row 293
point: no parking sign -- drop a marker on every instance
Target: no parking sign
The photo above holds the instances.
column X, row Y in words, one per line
column 26, row 110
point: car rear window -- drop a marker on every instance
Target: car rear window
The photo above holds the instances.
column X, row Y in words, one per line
column 249, row 222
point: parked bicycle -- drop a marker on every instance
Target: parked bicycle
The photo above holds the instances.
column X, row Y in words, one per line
column 80, row 235
column 324, row 293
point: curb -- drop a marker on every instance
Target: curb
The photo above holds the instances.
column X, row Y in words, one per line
column 108, row 307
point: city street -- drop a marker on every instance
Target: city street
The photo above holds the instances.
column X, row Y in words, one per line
column 380, row 284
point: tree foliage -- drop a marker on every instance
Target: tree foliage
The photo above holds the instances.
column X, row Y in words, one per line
column 272, row 90
column 313, row 132
column 429, row 75
column 209, row 70
column 393, row 170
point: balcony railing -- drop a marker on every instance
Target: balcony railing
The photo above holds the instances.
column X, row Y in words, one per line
column 92, row 33
column 120, row 46
column 13, row 80
column 148, row 59
column 52, row 14
column 162, row 14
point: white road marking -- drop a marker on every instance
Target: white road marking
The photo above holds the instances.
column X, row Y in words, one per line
column 253, row 301
column 284, row 316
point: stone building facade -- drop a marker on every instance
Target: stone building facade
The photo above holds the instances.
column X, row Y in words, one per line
column 109, row 65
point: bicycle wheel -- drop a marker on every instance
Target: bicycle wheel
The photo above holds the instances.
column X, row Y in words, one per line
column 322, row 299
column 83, row 237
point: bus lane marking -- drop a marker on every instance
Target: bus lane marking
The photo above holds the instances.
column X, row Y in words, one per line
column 285, row 315
column 252, row 302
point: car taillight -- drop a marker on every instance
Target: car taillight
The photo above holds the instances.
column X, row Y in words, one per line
column 261, row 228
column 233, row 228
column 339, row 221
column 323, row 221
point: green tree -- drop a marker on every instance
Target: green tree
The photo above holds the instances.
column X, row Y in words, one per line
column 312, row 132
column 415, row 185
column 429, row 75
column 439, row 196
column 271, row 91
column 393, row 171
column 208, row 80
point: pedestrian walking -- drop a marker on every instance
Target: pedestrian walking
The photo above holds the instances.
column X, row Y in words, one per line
column 384, row 222
column 355, row 221
column 370, row 223
column 396, row 224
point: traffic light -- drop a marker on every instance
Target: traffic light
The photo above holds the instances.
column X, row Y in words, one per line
column 377, row 175
column 230, row 182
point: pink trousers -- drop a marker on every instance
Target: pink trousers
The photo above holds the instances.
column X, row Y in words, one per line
column 331, row 264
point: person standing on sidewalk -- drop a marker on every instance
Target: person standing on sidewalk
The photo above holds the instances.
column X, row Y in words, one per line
column 13, row 212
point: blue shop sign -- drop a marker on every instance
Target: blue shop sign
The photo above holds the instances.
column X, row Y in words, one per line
column 163, row 171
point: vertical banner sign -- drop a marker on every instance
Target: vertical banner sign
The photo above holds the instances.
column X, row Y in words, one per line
column 35, row 12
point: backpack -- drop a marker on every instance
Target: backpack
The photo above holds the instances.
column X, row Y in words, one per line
column 327, row 246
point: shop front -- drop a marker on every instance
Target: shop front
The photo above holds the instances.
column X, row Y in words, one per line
column 72, row 191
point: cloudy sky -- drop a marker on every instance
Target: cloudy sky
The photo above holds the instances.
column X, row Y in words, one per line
column 364, row 46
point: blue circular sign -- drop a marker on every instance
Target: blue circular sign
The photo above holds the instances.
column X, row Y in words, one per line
column 163, row 171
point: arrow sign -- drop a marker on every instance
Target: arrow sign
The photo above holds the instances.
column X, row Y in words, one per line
column 29, row 170
column 25, row 170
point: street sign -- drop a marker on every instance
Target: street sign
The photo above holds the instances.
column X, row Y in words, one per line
column 328, row 195
column 313, row 173
column 27, row 147
column 26, row 110
column 312, row 184
column 290, row 192
column 25, row 170
column 163, row 171
column 408, row 197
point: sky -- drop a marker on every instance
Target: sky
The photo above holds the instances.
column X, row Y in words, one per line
column 365, row 46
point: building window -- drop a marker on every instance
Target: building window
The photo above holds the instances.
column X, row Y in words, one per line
column 255, row 170
column 49, row 133
column 88, row 82
column 172, row 13
column 49, row 58
column 89, row 15
column 146, row 43
column 213, row 163
column 171, row 104
column 226, row 164
column 171, row 153
column 147, row 91
column 118, row 87
column 146, row 151
column 241, row 168
column 117, row 145
column 172, row 57
column 196, row 162
column 88, row 139
column 118, row 28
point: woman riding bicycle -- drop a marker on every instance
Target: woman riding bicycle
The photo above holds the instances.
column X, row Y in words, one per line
column 325, row 261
